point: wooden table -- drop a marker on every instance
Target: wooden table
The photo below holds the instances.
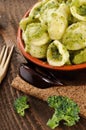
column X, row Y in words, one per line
column 11, row 12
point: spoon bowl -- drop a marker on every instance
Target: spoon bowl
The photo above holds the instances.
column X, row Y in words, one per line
column 38, row 77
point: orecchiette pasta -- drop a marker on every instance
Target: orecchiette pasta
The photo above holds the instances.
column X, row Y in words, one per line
column 56, row 30
column 80, row 57
column 57, row 54
column 75, row 36
column 78, row 9
column 36, row 34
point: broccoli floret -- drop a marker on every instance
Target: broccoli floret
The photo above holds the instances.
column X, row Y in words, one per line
column 20, row 104
column 65, row 109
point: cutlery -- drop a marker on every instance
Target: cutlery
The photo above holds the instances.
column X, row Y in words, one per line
column 4, row 61
column 37, row 76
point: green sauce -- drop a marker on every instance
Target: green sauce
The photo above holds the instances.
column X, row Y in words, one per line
column 55, row 53
column 82, row 10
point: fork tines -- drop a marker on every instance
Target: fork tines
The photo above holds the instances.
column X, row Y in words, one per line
column 5, row 56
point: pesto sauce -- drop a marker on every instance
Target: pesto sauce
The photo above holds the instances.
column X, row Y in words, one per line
column 74, row 38
column 82, row 10
column 55, row 53
column 49, row 5
column 35, row 30
column 75, row 41
column 80, row 57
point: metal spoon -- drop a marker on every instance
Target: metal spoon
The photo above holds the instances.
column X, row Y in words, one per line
column 37, row 76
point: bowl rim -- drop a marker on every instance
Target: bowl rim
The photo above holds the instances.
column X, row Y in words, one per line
column 39, row 62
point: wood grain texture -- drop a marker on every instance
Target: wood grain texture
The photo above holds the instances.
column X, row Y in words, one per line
column 11, row 12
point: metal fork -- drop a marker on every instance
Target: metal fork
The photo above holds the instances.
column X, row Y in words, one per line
column 4, row 61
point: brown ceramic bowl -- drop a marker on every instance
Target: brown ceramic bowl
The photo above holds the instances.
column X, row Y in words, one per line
column 41, row 63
